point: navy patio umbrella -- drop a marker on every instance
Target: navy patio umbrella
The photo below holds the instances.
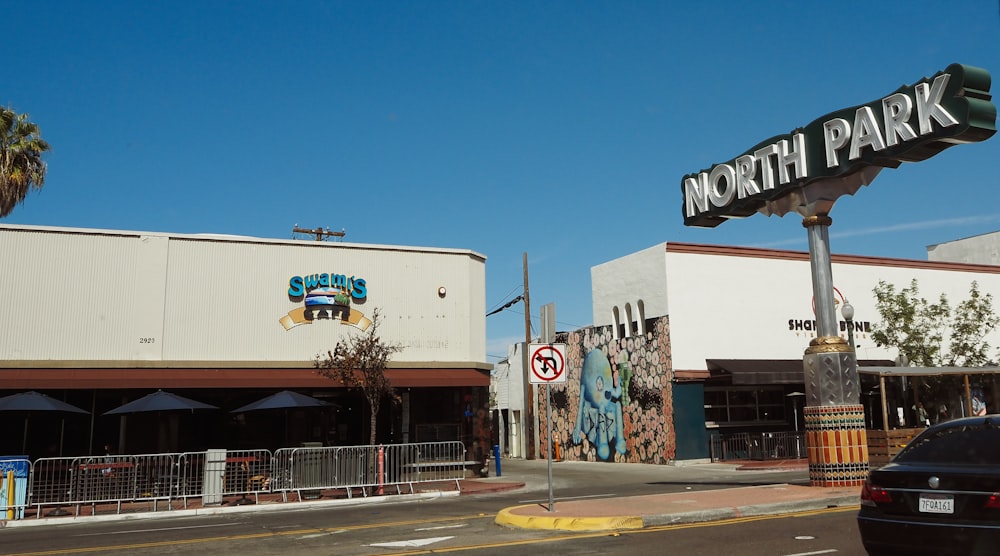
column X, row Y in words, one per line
column 160, row 401
column 28, row 402
column 286, row 399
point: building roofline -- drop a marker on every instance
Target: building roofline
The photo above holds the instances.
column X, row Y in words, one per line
column 223, row 238
column 762, row 253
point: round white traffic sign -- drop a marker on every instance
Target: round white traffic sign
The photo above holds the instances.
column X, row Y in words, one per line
column 548, row 363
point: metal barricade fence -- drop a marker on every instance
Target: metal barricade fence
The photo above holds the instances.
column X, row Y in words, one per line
column 246, row 472
column 50, row 484
column 758, row 446
column 103, row 479
column 57, row 483
column 188, row 480
column 15, row 474
column 357, row 467
column 281, row 471
column 777, row 445
column 441, row 461
column 399, row 460
column 156, row 476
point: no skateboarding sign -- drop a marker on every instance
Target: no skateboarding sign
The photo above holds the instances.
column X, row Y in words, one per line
column 547, row 363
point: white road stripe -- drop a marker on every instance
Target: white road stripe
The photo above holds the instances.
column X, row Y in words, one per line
column 410, row 543
column 442, row 527
column 829, row 551
column 155, row 530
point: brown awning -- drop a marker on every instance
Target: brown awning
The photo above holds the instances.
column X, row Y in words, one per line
column 764, row 371
column 104, row 378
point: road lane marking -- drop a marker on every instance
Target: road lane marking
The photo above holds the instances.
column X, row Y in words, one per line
column 442, row 527
column 414, row 543
column 506, row 543
column 158, row 530
column 828, row 551
column 250, row 536
column 652, row 529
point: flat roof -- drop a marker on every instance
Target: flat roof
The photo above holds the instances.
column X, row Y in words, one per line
column 928, row 371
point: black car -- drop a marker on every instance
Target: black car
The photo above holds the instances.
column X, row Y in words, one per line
column 939, row 495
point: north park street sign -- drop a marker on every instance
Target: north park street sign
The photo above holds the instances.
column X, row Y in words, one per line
column 912, row 124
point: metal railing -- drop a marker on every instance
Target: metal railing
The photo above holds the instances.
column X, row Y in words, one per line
column 758, row 446
column 144, row 482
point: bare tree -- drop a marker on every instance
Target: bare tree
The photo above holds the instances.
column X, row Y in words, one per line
column 359, row 362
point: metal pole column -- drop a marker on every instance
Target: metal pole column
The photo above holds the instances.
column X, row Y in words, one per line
column 836, row 441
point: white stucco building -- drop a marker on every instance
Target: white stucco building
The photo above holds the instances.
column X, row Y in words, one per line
column 98, row 317
column 981, row 249
column 707, row 340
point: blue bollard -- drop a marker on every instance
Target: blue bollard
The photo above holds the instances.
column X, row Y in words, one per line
column 496, row 457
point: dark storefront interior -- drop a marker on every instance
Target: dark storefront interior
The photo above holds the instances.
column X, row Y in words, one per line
column 443, row 410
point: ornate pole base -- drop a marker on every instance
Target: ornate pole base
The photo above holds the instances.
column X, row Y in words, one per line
column 836, row 440
column 837, row 445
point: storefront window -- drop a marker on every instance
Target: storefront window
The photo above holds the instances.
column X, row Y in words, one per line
column 748, row 405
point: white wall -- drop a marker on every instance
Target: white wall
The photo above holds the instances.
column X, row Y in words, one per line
column 92, row 295
column 507, row 380
column 728, row 306
column 636, row 277
column 981, row 249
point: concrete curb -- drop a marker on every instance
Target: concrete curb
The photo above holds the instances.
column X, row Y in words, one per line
column 499, row 487
column 506, row 517
column 776, row 508
column 215, row 510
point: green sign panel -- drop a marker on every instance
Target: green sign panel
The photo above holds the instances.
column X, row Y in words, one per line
column 914, row 123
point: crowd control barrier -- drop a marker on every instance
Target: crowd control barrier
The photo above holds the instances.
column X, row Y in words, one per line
column 153, row 482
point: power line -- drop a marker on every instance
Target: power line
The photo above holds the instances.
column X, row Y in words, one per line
column 510, row 292
column 507, row 305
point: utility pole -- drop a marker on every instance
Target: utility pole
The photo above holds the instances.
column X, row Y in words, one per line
column 531, row 442
column 321, row 234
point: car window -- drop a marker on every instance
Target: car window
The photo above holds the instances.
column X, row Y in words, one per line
column 970, row 444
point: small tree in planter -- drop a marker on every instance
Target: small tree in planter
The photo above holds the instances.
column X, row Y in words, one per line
column 359, row 362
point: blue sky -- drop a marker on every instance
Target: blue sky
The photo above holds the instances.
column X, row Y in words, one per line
column 560, row 129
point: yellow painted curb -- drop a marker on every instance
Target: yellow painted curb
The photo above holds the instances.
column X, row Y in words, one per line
column 508, row 518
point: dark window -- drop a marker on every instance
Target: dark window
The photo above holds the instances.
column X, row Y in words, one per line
column 744, row 405
column 970, row 444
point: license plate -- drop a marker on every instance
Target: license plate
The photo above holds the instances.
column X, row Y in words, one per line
column 937, row 503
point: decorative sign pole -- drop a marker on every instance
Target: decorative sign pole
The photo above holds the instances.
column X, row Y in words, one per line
column 806, row 172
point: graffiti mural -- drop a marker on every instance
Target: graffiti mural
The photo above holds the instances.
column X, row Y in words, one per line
column 616, row 404
column 600, row 413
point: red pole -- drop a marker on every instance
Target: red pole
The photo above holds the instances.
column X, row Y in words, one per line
column 381, row 470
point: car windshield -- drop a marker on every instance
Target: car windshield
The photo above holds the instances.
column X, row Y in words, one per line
column 974, row 444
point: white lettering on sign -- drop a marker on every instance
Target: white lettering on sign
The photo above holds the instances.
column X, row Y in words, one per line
column 780, row 163
column 897, row 109
column 911, row 124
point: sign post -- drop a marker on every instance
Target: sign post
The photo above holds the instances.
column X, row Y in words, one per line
column 806, row 171
column 547, row 365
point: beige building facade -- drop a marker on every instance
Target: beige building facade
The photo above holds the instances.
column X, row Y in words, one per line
column 99, row 317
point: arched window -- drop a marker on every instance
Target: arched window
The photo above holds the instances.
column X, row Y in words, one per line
column 619, row 329
column 641, row 321
column 629, row 321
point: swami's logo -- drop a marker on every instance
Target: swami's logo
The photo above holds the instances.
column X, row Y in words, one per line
column 326, row 297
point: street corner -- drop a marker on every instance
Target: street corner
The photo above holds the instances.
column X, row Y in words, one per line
column 534, row 517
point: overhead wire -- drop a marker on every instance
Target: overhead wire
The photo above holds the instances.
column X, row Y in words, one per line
column 508, row 294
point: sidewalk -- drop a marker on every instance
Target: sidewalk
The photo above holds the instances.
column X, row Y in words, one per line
column 636, row 512
column 594, row 514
